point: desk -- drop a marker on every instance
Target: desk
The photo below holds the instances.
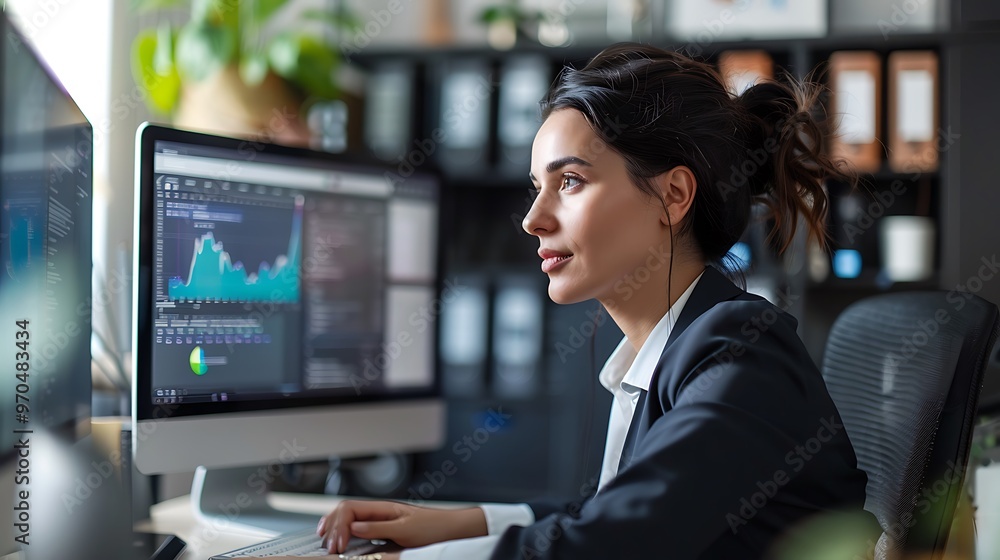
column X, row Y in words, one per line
column 176, row 516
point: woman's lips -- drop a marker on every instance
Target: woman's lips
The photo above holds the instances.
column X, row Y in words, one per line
column 552, row 263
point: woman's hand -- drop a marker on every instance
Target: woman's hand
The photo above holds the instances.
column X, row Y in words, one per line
column 407, row 525
column 381, row 555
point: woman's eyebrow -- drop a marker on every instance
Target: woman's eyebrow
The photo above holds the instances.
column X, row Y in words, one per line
column 560, row 163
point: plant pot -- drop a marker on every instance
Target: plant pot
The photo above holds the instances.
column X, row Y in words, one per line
column 223, row 104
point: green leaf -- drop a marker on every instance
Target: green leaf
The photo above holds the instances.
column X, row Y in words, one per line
column 226, row 13
column 315, row 67
column 490, row 15
column 263, row 9
column 283, row 53
column 161, row 83
column 253, row 68
column 203, row 49
column 201, row 10
column 336, row 20
column 146, row 5
column 163, row 56
column 509, row 12
column 217, row 12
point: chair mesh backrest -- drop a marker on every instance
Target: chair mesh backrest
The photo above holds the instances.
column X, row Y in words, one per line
column 905, row 370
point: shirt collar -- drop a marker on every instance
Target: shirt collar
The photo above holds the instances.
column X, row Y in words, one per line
column 634, row 370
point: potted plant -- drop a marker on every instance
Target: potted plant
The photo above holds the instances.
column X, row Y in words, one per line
column 233, row 68
column 507, row 23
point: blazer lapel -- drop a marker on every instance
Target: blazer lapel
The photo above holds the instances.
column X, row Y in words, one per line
column 713, row 288
column 632, row 436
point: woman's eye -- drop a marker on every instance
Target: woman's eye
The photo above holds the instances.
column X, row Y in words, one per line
column 532, row 193
column 570, row 181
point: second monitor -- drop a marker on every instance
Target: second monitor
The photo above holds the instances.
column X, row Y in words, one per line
column 285, row 311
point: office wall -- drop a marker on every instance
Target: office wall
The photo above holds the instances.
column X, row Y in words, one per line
column 971, row 236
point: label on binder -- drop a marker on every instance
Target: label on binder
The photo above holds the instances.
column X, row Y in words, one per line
column 916, row 106
column 856, row 106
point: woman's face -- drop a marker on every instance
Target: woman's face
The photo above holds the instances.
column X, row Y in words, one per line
column 588, row 209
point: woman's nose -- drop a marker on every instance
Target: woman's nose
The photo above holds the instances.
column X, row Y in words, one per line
column 539, row 219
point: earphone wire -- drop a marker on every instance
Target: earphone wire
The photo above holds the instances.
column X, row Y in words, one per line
column 591, row 393
column 670, row 274
column 591, row 396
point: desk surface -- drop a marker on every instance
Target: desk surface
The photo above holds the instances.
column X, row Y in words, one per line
column 177, row 517
column 204, row 539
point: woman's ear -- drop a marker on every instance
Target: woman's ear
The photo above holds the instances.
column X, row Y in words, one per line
column 677, row 190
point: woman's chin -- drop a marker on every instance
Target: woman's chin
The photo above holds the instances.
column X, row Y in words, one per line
column 564, row 294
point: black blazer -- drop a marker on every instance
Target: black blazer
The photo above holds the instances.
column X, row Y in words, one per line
column 736, row 442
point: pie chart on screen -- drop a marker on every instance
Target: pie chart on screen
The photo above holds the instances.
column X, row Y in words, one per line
column 200, row 362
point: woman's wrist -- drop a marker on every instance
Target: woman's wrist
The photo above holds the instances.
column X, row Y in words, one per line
column 470, row 522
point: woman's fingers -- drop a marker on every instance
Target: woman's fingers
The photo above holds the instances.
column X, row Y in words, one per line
column 335, row 528
column 408, row 525
column 390, row 530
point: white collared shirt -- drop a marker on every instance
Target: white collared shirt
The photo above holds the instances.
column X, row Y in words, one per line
column 626, row 373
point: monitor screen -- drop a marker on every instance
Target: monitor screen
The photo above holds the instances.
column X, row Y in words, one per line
column 282, row 297
column 283, row 278
column 45, row 247
column 45, row 283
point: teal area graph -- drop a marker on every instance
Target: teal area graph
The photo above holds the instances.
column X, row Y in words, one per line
column 213, row 276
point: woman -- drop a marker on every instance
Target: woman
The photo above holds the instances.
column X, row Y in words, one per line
column 722, row 436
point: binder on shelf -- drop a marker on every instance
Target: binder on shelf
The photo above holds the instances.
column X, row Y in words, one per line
column 523, row 83
column 517, row 337
column 389, row 110
column 742, row 69
column 464, row 338
column 856, row 84
column 463, row 131
column 913, row 111
column 907, row 246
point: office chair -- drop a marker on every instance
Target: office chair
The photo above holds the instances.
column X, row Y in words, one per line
column 905, row 371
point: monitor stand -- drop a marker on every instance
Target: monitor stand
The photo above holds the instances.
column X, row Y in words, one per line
column 234, row 497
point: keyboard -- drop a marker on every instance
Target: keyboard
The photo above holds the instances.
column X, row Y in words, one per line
column 304, row 544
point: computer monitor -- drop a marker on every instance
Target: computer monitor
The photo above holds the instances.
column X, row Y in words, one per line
column 45, row 271
column 285, row 308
